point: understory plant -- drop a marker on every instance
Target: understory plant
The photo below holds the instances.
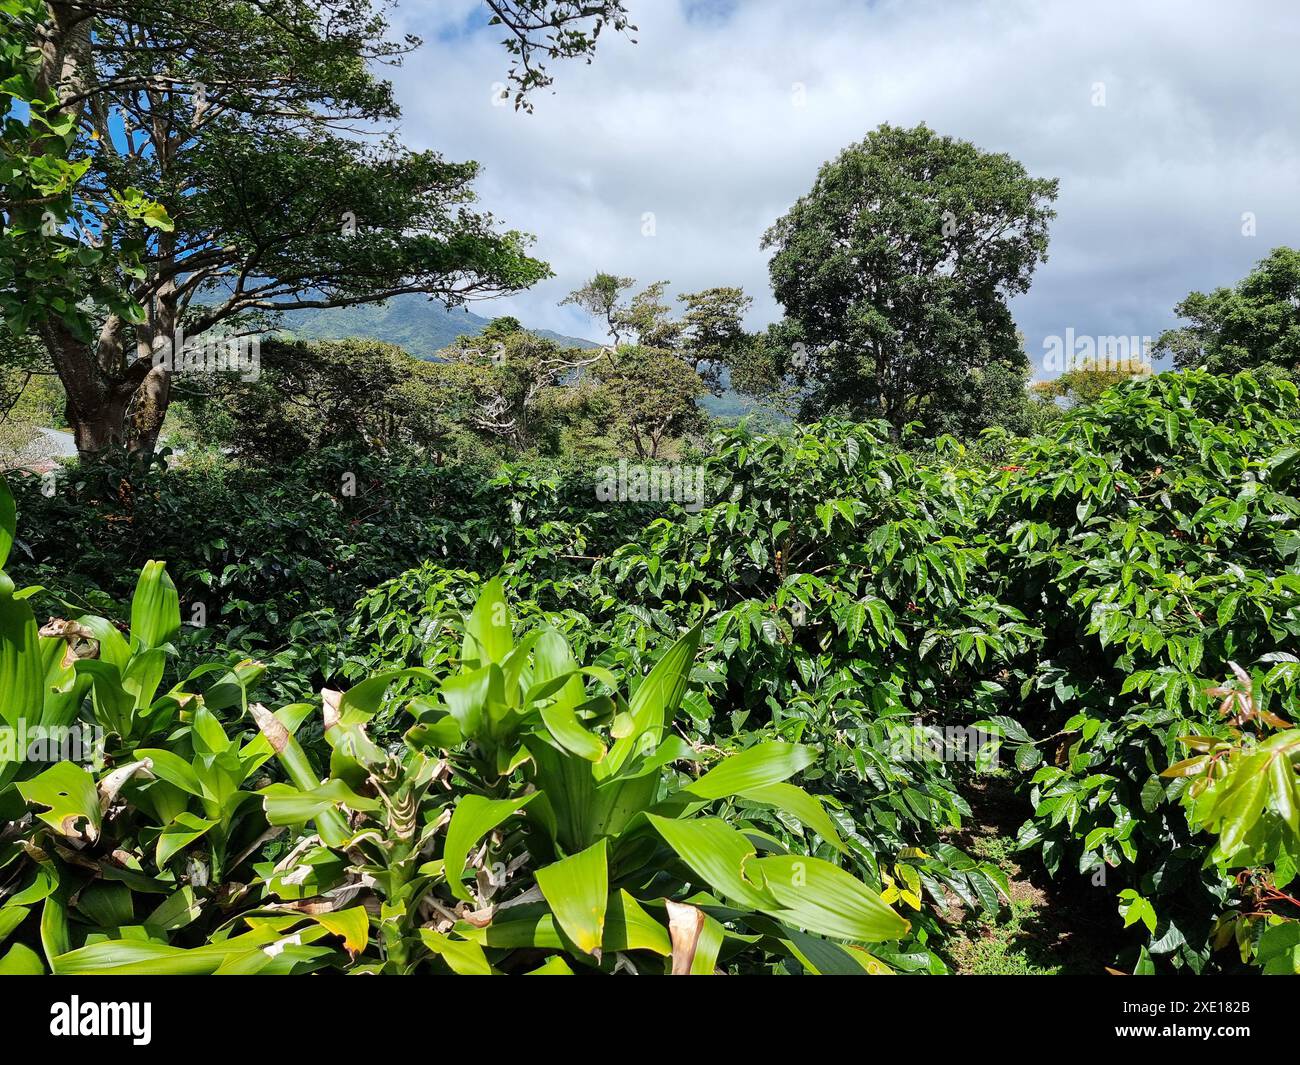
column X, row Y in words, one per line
column 1242, row 784
column 101, row 834
column 1154, row 537
column 531, row 819
column 536, row 820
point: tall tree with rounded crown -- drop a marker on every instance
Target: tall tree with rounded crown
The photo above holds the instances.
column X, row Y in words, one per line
column 895, row 271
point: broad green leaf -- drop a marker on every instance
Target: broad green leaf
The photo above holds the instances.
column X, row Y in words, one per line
column 488, row 630
column 472, row 819
column 629, row 927
column 8, row 522
column 554, row 966
column 465, row 957
column 822, row 898
column 719, row 854
column 765, row 763
column 73, row 800
column 287, row 805
column 577, row 889
column 553, row 661
column 526, row 925
column 55, row 938
column 180, row 834
column 465, row 695
column 352, row 925
column 707, row 948
column 209, row 737
column 805, row 808
column 22, row 671
column 21, row 961
column 11, row 917
column 824, row 957
column 656, row 701
column 171, row 768
column 124, row 957
column 106, row 903
column 155, row 608
column 176, row 911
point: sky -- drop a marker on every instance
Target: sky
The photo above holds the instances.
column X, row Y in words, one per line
column 1171, row 124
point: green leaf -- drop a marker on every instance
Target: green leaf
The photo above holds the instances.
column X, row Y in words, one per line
column 54, row 925
column 1027, row 757
column 123, row 957
column 1134, row 907
column 22, row 671
column 488, row 631
column 176, row 911
column 717, row 853
column 155, row 609
column 11, row 917
column 465, row 957
column 765, row 763
column 552, row 660
column 656, row 700
column 577, row 889
column 629, row 927
column 73, row 800
column 825, row 957
column 822, row 898
column 351, row 925
column 21, row 961
column 805, row 808
column 171, row 768
column 472, row 819
column 8, row 521
column 286, row 805
column 554, row 966
column 178, row 835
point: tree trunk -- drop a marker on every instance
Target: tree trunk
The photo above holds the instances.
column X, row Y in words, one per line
column 110, row 403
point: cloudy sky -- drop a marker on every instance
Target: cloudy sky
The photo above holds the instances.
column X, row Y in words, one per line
column 1166, row 121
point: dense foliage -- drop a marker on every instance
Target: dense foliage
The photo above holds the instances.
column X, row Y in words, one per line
column 895, row 269
column 150, row 144
column 1105, row 618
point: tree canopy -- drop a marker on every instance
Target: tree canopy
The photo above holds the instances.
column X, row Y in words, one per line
column 1253, row 324
column 895, row 269
column 266, row 135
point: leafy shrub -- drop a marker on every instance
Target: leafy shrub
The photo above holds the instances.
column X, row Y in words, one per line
column 1073, row 599
column 1154, row 538
column 612, row 867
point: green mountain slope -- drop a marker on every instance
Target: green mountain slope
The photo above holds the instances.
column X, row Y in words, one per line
column 421, row 326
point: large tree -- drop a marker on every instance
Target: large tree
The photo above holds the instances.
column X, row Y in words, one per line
column 601, row 297
column 520, row 388
column 709, row 336
column 261, row 128
column 661, row 366
column 895, row 269
column 43, row 256
column 1254, row 324
column 312, row 394
column 652, row 397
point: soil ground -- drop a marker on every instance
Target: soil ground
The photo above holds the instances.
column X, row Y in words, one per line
column 1061, row 926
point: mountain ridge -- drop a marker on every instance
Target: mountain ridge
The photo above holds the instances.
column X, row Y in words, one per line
column 420, row 326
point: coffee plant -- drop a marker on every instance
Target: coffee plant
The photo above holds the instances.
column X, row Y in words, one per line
column 560, row 735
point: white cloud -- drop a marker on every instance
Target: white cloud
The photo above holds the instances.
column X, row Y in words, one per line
column 700, row 123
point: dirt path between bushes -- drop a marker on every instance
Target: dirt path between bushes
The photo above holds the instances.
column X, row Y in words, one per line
column 1052, row 926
